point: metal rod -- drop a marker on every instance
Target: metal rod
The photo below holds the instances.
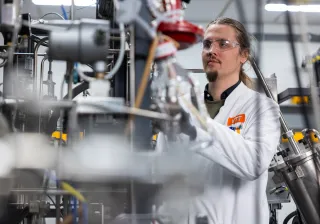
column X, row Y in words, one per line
column 41, row 76
column 63, row 192
column 40, row 89
column 72, row 10
column 35, row 63
column 268, row 92
column 18, row 53
column 58, row 209
column 66, row 200
column 132, row 103
column 45, row 104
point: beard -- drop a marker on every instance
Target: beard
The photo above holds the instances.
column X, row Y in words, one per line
column 212, row 76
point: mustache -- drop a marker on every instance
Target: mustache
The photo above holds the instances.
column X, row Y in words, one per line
column 213, row 59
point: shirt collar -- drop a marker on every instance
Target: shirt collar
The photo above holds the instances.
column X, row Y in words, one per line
column 224, row 94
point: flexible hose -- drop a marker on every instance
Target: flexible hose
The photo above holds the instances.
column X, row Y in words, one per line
column 3, row 63
column 290, row 216
column 121, row 54
column 52, row 13
column 52, row 123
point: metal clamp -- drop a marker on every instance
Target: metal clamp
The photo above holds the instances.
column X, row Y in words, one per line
column 39, row 207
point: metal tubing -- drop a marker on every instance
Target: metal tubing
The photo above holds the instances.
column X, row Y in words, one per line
column 63, row 192
column 72, row 10
column 20, row 53
column 41, row 76
column 35, row 63
column 58, row 209
column 284, row 125
column 132, row 102
column 40, row 89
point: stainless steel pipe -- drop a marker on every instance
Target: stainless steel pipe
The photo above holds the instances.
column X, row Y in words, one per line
column 41, row 76
column 35, row 63
column 268, row 92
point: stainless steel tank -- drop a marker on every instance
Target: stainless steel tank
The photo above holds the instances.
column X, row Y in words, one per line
column 301, row 174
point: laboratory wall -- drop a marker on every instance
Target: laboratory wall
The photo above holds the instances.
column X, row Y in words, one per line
column 276, row 58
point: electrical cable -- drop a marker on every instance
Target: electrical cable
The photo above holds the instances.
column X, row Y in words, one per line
column 55, row 204
column 74, row 210
column 83, row 76
column 3, row 63
column 296, row 67
column 64, row 12
column 52, row 13
column 77, row 194
column 67, row 187
column 85, row 210
column 37, row 40
column 52, row 122
column 290, row 216
column 121, row 53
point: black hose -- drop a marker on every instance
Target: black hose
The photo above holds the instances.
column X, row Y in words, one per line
column 52, row 122
column 290, row 216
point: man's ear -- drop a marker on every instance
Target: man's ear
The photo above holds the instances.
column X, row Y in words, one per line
column 244, row 56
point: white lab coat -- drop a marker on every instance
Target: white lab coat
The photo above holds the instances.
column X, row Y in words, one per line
column 234, row 168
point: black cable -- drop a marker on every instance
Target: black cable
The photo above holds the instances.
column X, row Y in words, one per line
column 52, row 122
column 37, row 39
column 290, row 216
column 55, row 205
column 296, row 67
column 23, row 214
column 3, row 63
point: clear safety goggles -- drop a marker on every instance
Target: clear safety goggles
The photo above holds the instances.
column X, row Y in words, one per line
column 220, row 44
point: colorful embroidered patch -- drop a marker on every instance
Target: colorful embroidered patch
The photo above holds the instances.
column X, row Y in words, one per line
column 236, row 123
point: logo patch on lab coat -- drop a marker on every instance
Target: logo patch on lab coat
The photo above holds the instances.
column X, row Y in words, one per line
column 236, row 123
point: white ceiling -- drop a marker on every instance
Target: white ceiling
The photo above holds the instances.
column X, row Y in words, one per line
column 198, row 11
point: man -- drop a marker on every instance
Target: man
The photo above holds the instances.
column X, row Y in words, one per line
column 245, row 130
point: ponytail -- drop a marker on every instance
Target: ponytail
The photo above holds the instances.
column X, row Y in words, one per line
column 245, row 78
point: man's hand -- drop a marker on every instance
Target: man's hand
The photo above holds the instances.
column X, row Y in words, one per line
column 182, row 124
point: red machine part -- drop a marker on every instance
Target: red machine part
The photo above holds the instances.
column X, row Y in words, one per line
column 169, row 5
column 185, row 33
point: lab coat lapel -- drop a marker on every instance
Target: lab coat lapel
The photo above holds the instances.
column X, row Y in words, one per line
column 230, row 103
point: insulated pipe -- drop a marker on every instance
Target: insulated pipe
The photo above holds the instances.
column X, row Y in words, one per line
column 268, row 92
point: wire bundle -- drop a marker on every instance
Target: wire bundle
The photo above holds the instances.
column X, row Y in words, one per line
column 77, row 196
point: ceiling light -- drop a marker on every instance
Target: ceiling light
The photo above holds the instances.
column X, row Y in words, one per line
column 65, row 2
column 292, row 8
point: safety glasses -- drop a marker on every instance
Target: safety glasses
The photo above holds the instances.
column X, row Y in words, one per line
column 220, row 44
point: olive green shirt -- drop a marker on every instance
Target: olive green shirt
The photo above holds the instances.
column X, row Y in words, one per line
column 213, row 107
